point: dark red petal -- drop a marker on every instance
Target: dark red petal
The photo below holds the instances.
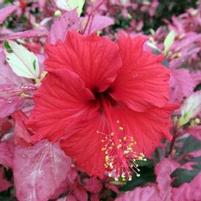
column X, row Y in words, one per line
column 95, row 59
column 60, row 102
column 142, row 81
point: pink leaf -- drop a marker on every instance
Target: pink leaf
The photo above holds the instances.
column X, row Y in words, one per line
column 7, row 107
column 62, row 199
column 196, row 132
column 155, row 192
column 40, row 171
column 21, row 134
column 163, row 171
column 196, row 77
column 95, row 197
column 188, row 191
column 97, row 23
column 42, row 32
column 4, row 184
column 148, row 193
column 5, row 12
column 12, row 89
column 68, row 198
column 62, row 25
column 181, row 84
column 7, row 77
column 80, row 194
column 93, row 185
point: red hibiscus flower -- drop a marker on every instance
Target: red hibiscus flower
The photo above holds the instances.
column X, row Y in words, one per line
column 105, row 102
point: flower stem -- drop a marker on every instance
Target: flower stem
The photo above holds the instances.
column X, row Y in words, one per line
column 176, row 134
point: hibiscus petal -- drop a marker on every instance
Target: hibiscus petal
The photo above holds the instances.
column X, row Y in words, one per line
column 60, row 101
column 95, row 59
column 147, row 128
column 84, row 146
column 142, row 81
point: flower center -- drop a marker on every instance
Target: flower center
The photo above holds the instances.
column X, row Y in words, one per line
column 117, row 145
column 101, row 97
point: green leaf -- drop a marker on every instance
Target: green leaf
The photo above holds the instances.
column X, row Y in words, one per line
column 190, row 144
column 198, row 87
column 8, row 1
column 146, row 175
column 71, row 5
column 34, row 64
column 182, row 175
column 7, row 47
column 169, row 40
column 23, row 62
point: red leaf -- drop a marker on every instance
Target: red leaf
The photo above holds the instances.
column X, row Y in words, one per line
column 4, row 184
column 80, row 194
column 5, row 125
column 21, row 134
column 6, row 154
column 93, row 185
column 196, row 132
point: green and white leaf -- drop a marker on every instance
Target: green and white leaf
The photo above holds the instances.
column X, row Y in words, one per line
column 23, row 62
column 71, row 5
column 190, row 108
column 168, row 42
column 124, row 2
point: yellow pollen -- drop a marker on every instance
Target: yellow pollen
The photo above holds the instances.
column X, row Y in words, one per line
column 119, row 146
column 124, row 138
column 129, row 149
column 120, row 156
column 121, row 128
column 126, row 152
column 106, row 158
